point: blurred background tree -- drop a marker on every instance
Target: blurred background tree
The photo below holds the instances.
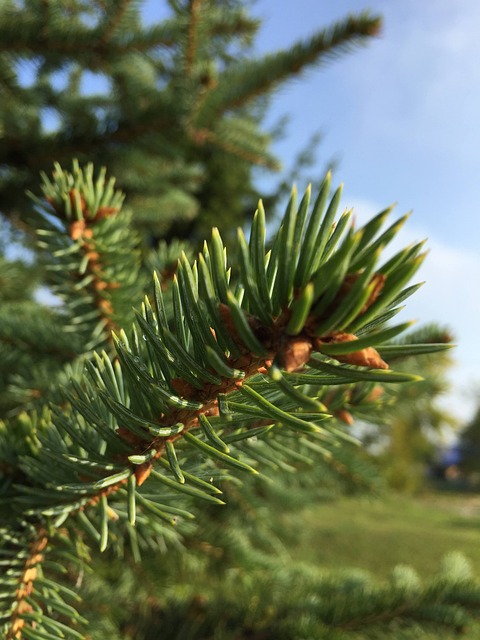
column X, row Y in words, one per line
column 173, row 108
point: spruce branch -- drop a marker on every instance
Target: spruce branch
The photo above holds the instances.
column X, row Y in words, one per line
column 91, row 259
column 23, row 33
column 34, row 349
column 236, row 353
column 90, row 252
column 247, row 372
column 240, row 85
column 35, row 605
column 149, row 106
column 28, row 572
column 252, row 151
column 194, row 9
column 114, row 20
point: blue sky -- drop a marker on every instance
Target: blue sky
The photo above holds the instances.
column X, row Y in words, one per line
column 402, row 117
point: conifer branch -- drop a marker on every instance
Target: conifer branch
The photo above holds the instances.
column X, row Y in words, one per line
column 235, row 23
column 228, row 351
column 113, row 21
column 246, row 360
column 92, row 263
column 194, row 9
column 26, row 581
column 240, row 85
column 235, row 148
column 39, row 606
column 87, row 44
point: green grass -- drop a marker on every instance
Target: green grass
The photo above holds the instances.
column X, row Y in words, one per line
column 378, row 534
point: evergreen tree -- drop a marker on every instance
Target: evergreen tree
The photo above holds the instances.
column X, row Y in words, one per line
column 238, row 380
column 231, row 368
column 176, row 111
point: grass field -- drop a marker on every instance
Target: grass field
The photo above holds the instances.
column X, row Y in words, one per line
column 377, row 534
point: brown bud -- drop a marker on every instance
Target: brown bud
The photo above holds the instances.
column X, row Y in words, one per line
column 212, row 411
column 345, row 416
column 38, row 557
column 77, row 229
column 105, row 212
column 100, row 285
column 105, row 307
column 199, row 136
column 30, row 574
column 208, row 81
column 23, row 607
column 368, row 357
column 296, row 354
column 41, row 544
column 376, row 393
column 17, row 627
column 142, row 471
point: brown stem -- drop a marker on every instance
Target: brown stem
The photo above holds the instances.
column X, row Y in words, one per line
column 83, row 231
column 195, row 6
column 113, row 23
column 26, row 584
column 200, row 136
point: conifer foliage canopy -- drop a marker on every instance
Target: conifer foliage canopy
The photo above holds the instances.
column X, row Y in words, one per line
column 172, row 107
column 231, row 368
